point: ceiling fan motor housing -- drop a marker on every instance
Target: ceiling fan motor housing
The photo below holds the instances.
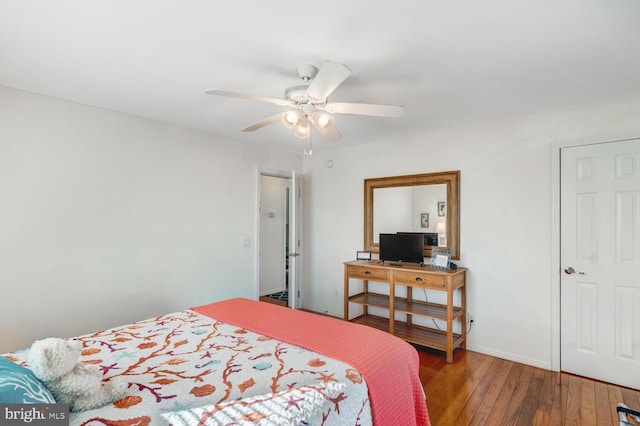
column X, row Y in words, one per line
column 306, row 71
column 297, row 92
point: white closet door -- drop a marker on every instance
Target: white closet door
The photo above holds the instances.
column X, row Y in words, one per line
column 600, row 261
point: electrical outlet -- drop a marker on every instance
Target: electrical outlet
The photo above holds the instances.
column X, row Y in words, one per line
column 471, row 319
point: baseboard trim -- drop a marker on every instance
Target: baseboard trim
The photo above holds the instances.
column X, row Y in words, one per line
column 320, row 311
column 510, row 357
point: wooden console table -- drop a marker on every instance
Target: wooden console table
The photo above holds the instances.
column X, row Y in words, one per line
column 410, row 276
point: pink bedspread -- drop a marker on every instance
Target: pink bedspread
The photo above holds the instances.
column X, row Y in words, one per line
column 395, row 393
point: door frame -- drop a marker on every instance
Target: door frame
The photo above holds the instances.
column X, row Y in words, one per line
column 263, row 171
column 556, row 360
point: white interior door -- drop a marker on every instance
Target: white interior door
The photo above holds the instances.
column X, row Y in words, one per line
column 295, row 243
column 273, row 236
column 600, row 261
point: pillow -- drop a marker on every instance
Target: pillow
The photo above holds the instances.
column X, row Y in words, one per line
column 18, row 385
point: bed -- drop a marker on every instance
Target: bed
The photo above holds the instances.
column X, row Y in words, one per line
column 241, row 361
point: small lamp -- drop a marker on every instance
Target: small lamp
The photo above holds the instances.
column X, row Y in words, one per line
column 441, row 228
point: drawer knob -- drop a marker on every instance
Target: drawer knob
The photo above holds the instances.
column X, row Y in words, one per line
column 367, row 272
column 418, row 279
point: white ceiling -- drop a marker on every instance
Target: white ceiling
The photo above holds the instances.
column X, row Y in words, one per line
column 449, row 63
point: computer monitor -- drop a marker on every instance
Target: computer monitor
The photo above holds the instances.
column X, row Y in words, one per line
column 389, row 248
column 402, row 247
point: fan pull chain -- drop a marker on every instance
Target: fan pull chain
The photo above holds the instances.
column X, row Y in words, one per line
column 308, row 151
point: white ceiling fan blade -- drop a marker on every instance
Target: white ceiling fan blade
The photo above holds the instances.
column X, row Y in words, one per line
column 276, row 101
column 325, row 126
column 329, row 77
column 262, row 123
column 364, row 109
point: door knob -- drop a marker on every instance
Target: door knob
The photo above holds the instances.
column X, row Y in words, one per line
column 569, row 270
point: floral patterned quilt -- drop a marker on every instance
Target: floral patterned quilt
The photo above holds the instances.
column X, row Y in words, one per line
column 185, row 365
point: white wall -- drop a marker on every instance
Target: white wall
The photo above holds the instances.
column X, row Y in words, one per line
column 505, row 205
column 394, row 205
column 107, row 218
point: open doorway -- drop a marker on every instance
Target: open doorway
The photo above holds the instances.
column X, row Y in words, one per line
column 274, row 239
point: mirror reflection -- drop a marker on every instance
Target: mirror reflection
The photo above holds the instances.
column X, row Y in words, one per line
column 411, row 209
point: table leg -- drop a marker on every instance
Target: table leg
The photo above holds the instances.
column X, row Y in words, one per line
column 449, row 324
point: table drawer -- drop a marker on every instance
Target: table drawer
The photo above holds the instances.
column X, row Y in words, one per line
column 419, row 279
column 368, row 273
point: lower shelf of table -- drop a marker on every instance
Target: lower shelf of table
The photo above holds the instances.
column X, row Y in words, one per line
column 424, row 336
column 403, row 305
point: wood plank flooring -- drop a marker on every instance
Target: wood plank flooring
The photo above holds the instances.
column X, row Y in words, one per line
column 479, row 389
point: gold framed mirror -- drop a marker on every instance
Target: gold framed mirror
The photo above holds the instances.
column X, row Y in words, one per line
column 446, row 182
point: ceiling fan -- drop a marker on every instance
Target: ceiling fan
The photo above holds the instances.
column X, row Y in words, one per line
column 309, row 102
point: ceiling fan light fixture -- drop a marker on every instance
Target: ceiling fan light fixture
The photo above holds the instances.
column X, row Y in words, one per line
column 323, row 120
column 302, row 129
column 290, row 119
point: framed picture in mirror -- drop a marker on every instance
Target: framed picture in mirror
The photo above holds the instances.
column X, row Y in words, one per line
column 424, row 220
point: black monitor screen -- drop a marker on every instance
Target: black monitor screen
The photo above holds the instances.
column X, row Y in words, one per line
column 430, row 238
column 411, row 247
column 402, row 247
column 389, row 247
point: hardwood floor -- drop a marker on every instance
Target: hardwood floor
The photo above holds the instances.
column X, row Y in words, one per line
column 274, row 301
column 479, row 389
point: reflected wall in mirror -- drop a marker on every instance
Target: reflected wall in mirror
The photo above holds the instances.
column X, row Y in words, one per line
column 408, row 209
column 402, row 203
